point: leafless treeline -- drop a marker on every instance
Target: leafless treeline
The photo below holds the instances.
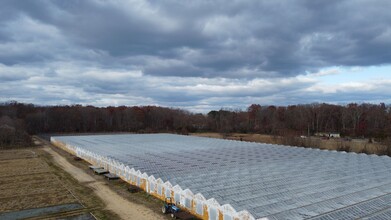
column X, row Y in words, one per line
column 368, row 120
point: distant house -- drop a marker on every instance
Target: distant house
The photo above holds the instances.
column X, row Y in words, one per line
column 328, row 135
column 334, row 135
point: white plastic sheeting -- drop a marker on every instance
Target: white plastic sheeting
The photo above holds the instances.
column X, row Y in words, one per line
column 270, row 181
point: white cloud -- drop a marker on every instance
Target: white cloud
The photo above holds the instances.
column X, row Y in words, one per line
column 326, row 72
column 112, row 75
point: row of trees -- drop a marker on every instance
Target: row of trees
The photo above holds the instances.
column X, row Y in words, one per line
column 354, row 120
column 364, row 120
column 89, row 119
column 13, row 133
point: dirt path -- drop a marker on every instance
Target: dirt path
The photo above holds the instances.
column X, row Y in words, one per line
column 122, row 207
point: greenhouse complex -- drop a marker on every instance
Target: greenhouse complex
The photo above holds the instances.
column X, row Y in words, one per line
column 234, row 180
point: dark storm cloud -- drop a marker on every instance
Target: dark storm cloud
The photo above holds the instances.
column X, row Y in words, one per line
column 269, row 38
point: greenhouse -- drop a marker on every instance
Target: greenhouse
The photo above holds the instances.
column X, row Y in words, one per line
column 226, row 179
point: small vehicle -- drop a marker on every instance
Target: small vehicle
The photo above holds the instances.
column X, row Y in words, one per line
column 170, row 207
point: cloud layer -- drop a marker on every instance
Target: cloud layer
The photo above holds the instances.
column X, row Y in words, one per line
column 197, row 55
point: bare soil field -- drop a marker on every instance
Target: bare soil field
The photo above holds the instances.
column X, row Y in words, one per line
column 26, row 181
column 31, row 186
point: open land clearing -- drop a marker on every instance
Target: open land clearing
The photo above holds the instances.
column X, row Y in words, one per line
column 34, row 185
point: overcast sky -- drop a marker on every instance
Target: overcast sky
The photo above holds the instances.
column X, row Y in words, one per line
column 197, row 55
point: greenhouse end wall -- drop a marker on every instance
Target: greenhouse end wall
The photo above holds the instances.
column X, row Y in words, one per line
column 196, row 204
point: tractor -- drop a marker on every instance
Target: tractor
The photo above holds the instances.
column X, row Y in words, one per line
column 170, row 207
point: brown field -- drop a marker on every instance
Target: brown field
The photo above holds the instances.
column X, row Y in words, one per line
column 26, row 181
column 29, row 180
column 339, row 144
column 261, row 138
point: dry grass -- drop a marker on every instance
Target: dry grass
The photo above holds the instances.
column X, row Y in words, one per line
column 208, row 134
column 30, row 179
column 26, row 181
column 355, row 145
column 16, row 154
column 261, row 138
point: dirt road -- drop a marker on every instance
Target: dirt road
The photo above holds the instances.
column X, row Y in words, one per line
column 115, row 203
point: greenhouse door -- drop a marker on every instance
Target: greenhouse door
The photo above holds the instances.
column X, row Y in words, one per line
column 212, row 213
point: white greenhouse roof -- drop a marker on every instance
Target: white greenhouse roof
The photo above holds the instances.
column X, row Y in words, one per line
column 277, row 182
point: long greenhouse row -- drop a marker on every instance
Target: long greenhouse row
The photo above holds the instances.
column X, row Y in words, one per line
column 233, row 180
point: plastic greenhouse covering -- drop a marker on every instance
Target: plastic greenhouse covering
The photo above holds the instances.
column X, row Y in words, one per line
column 243, row 180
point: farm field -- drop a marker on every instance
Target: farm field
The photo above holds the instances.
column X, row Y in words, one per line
column 226, row 179
column 29, row 187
